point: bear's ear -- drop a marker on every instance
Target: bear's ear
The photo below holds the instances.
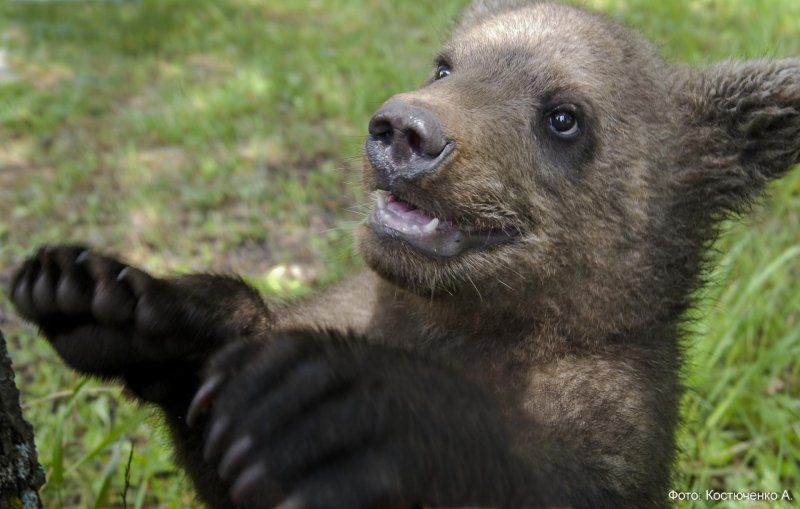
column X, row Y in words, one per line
column 742, row 125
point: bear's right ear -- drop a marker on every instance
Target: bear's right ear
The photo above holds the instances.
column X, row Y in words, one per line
column 742, row 125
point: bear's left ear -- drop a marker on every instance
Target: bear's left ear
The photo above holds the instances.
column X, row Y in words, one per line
column 742, row 125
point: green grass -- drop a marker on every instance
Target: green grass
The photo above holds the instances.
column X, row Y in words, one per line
column 194, row 134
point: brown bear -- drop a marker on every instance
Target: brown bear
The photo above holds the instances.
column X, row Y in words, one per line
column 542, row 208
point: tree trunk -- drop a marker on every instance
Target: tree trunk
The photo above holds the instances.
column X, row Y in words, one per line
column 21, row 476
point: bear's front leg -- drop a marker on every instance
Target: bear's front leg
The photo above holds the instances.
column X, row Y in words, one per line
column 313, row 420
column 108, row 319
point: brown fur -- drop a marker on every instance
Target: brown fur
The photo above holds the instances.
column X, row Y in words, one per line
column 573, row 325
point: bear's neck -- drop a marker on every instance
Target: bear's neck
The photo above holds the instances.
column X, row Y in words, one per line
column 543, row 325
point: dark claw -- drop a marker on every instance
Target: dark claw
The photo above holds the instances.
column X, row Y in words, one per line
column 83, row 257
column 65, row 256
column 293, row 502
column 139, row 282
column 203, row 397
column 101, row 268
column 214, row 442
column 252, row 477
column 235, row 456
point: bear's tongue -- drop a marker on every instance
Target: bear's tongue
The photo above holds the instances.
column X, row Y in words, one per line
column 403, row 217
column 396, row 218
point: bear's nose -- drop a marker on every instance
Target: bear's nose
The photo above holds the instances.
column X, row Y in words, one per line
column 404, row 141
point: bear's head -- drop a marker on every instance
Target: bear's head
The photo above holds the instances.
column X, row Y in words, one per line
column 553, row 156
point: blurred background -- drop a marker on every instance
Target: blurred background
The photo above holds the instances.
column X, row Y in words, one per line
column 190, row 135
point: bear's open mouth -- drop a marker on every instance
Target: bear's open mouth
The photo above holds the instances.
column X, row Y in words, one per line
column 399, row 219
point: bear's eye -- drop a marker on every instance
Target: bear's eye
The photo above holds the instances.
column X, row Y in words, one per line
column 442, row 71
column 563, row 122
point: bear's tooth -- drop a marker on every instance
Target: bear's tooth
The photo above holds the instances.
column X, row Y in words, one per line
column 431, row 226
column 381, row 200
